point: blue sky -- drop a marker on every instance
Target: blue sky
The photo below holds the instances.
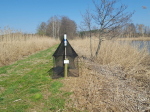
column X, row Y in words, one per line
column 27, row 14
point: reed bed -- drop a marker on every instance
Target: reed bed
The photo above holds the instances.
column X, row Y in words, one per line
column 117, row 81
column 14, row 45
column 104, row 92
column 112, row 52
column 136, row 38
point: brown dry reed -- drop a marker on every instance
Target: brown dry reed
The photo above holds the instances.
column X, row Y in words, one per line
column 136, row 38
column 117, row 81
column 112, row 52
column 14, row 45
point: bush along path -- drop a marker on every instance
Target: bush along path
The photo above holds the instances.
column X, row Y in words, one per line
column 27, row 85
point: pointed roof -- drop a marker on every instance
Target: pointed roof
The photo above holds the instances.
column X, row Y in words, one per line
column 60, row 51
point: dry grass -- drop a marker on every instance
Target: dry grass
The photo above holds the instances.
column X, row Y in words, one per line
column 14, row 45
column 118, row 81
column 103, row 92
column 137, row 38
column 111, row 52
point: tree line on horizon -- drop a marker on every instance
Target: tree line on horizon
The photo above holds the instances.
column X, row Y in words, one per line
column 130, row 30
column 57, row 26
column 138, row 30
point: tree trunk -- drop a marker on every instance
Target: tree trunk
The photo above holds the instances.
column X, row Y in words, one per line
column 100, row 40
column 99, row 44
column 53, row 27
column 91, row 45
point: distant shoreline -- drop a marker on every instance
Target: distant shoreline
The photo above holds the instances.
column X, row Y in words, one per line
column 136, row 38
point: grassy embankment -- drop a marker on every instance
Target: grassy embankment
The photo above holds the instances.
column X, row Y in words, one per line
column 26, row 85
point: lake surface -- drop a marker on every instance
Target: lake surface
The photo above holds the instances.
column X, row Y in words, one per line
column 140, row 44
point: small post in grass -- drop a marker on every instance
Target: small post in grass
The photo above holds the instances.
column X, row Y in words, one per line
column 66, row 61
column 66, row 66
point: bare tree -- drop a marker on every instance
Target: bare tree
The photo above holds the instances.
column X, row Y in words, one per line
column 148, row 31
column 109, row 18
column 133, row 29
column 53, row 27
column 141, row 29
column 86, row 24
column 58, row 23
column 49, row 29
column 130, row 30
column 68, row 26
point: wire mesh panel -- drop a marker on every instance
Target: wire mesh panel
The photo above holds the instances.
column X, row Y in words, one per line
column 58, row 61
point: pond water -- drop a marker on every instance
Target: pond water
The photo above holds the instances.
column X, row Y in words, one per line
column 140, row 44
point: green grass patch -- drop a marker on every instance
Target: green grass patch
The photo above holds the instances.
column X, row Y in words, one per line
column 1, row 99
column 54, row 88
column 34, row 90
column 57, row 103
column 29, row 81
column 37, row 97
